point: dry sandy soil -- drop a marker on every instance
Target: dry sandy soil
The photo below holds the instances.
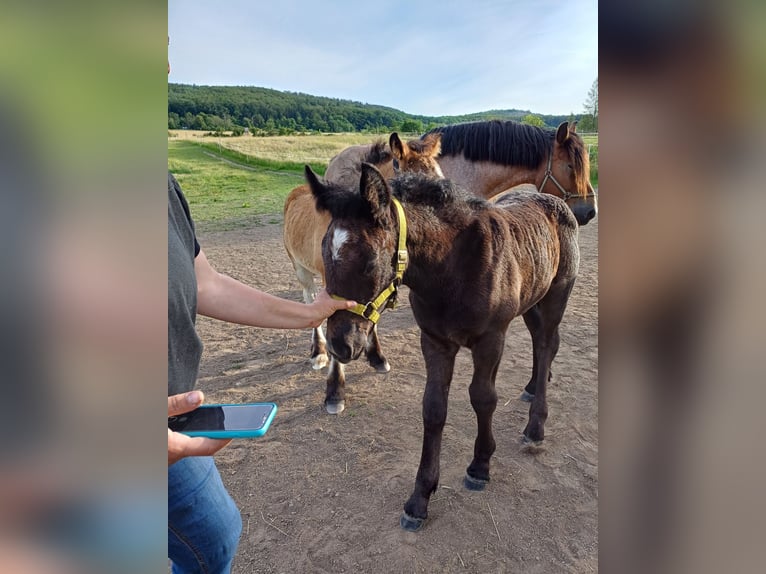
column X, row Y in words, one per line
column 323, row 493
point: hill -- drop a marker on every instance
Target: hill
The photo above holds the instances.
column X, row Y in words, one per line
column 272, row 112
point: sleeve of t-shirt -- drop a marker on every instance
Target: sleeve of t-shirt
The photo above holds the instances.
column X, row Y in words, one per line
column 185, row 205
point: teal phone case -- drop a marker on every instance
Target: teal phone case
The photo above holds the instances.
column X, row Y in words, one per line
column 246, row 433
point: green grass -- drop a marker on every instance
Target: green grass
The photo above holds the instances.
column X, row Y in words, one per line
column 225, row 196
column 591, row 141
column 263, row 163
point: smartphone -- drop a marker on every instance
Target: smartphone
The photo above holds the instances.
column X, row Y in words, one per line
column 225, row 421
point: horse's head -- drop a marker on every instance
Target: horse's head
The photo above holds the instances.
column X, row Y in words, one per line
column 358, row 252
column 419, row 155
column 568, row 174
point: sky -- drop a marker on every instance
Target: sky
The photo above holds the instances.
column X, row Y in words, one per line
column 424, row 57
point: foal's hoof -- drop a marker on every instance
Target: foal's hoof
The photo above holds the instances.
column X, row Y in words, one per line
column 475, row 484
column 335, row 408
column 319, row 362
column 530, row 442
column 410, row 523
column 527, row 397
column 383, row 367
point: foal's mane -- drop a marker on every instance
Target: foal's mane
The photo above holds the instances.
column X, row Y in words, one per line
column 411, row 188
column 378, row 154
column 511, row 143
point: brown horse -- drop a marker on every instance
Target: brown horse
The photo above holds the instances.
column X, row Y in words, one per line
column 491, row 156
column 471, row 267
column 304, row 228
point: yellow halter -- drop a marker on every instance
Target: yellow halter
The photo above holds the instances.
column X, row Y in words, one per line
column 372, row 310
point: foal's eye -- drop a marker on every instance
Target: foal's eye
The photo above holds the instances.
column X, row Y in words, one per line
column 369, row 268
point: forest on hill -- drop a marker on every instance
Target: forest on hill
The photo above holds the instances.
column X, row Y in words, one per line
column 265, row 111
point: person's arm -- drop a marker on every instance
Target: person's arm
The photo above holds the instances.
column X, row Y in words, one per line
column 222, row 297
column 180, row 445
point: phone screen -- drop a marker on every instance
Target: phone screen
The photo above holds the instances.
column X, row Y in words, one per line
column 248, row 417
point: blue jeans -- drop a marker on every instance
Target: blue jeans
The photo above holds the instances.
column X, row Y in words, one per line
column 204, row 523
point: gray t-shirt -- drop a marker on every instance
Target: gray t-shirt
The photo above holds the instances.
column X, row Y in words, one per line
column 184, row 345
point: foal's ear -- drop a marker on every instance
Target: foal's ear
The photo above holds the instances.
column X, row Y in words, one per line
column 374, row 189
column 562, row 132
column 432, row 144
column 397, row 147
column 318, row 189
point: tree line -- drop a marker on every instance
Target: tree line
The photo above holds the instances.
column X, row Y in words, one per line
column 271, row 112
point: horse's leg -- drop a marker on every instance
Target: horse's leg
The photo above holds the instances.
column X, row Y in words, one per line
column 544, row 328
column 533, row 321
column 440, row 362
column 375, row 353
column 335, row 394
column 319, row 358
column 487, row 353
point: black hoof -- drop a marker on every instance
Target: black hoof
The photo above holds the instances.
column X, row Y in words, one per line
column 410, row 523
column 475, row 484
column 526, row 397
column 335, row 408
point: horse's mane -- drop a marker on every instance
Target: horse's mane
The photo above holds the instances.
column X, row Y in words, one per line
column 511, row 143
column 379, row 153
column 504, row 142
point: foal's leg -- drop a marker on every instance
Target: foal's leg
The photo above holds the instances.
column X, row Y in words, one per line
column 335, row 394
column 533, row 320
column 543, row 324
column 487, row 353
column 319, row 358
column 375, row 353
column 440, row 362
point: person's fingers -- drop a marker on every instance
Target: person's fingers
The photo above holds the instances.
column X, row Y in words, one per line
column 180, row 446
column 336, row 304
column 204, row 446
column 185, row 402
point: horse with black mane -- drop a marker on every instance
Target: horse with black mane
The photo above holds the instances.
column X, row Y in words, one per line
column 488, row 157
column 471, row 266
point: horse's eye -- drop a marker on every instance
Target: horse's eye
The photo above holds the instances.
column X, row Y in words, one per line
column 569, row 165
column 369, row 269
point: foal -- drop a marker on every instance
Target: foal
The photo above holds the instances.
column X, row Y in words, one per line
column 471, row 267
column 304, row 228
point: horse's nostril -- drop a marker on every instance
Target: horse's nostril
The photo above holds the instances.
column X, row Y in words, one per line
column 590, row 215
column 339, row 350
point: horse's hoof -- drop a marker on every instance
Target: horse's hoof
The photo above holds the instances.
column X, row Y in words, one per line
column 527, row 397
column 475, row 484
column 384, row 367
column 531, row 443
column 335, row 408
column 319, row 362
column 410, row 523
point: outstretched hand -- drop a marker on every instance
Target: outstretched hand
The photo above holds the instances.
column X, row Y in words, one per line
column 326, row 306
column 180, row 445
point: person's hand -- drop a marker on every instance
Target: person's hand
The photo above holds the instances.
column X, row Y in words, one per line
column 324, row 306
column 180, row 445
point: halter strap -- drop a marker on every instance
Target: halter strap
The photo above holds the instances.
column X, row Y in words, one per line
column 372, row 309
column 566, row 196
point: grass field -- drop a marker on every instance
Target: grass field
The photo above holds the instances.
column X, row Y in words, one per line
column 224, row 195
column 242, row 181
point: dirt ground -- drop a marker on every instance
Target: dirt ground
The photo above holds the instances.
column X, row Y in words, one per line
column 323, row 493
